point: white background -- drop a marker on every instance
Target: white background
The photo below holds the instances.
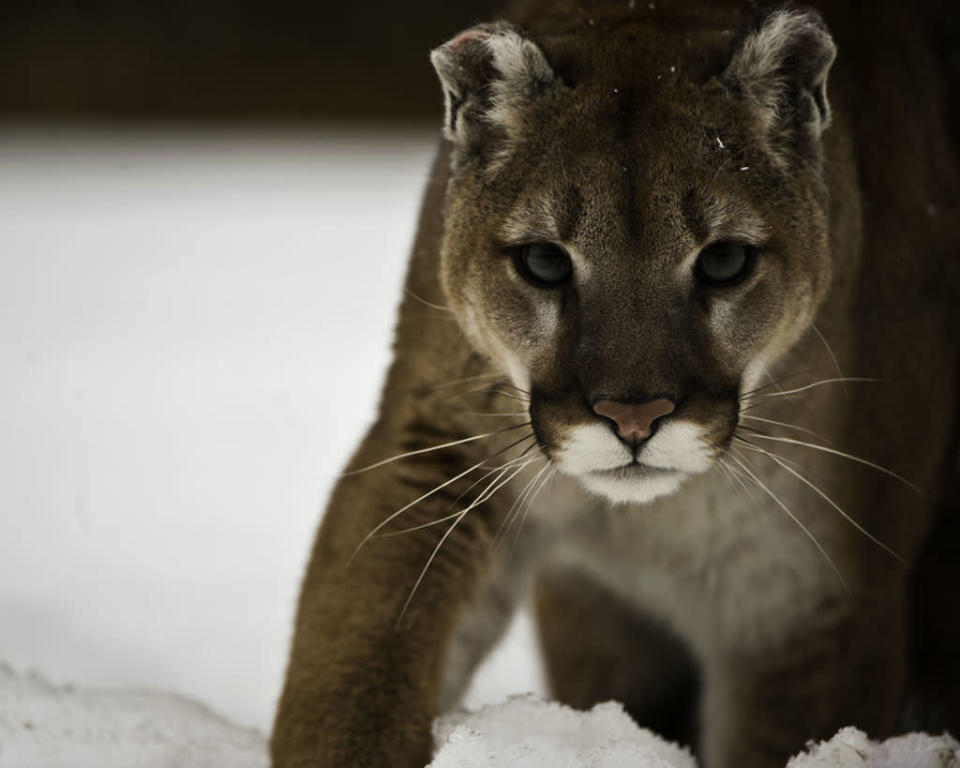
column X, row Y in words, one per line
column 194, row 324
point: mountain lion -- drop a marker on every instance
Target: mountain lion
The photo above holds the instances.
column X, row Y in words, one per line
column 678, row 356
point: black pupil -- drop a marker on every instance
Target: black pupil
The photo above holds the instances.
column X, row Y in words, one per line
column 544, row 263
column 723, row 263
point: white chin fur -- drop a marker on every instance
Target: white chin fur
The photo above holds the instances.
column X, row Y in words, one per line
column 632, row 491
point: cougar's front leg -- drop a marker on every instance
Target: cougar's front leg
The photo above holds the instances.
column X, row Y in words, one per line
column 364, row 676
column 760, row 709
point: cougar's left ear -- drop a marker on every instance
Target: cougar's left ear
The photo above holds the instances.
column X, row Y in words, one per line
column 780, row 68
column 488, row 74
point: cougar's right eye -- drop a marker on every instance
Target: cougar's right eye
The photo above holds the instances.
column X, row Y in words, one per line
column 543, row 264
column 724, row 263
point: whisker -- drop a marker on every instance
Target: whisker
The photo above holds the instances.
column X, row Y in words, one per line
column 456, row 501
column 394, row 515
column 829, row 349
column 483, row 477
column 515, row 507
column 796, row 520
column 757, row 449
column 424, row 301
column 430, row 560
column 725, row 471
column 752, row 405
column 432, row 448
column 452, row 515
column 412, row 529
column 786, row 424
column 523, row 453
column 821, row 383
column 516, row 398
column 404, row 508
column 513, row 387
column 479, row 500
column 738, row 476
column 849, row 456
column 489, row 389
column 836, row 506
column 774, row 383
column 465, row 379
column 530, row 502
column 530, row 447
column 516, row 393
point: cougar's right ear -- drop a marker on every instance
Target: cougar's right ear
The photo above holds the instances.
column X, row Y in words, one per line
column 488, row 73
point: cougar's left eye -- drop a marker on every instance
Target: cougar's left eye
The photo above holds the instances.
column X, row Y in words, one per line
column 542, row 264
column 724, row 263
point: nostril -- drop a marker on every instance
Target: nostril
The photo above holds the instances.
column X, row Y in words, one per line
column 634, row 420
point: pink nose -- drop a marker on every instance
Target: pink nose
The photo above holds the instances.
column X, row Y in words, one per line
column 634, row 421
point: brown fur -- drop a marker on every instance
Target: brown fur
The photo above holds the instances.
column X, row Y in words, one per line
column 608, row 131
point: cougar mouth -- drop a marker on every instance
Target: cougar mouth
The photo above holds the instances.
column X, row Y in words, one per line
column 635, row 470
column 604, row 464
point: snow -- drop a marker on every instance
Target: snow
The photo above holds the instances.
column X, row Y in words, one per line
column 48, row 726
column 525, row 732
column 45, row 726
column 851, row 748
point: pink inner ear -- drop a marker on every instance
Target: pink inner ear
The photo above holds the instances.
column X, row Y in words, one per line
column 470, row 34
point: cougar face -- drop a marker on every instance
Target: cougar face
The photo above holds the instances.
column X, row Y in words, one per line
column 633, row 243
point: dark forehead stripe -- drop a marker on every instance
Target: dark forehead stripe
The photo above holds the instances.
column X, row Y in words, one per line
column 627, row 114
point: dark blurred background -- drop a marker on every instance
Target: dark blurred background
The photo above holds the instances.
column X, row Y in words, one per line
column 225, row 58
column 237, row 59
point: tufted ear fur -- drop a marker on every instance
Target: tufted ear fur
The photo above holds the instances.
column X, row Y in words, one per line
column 488, row 74
column 780, row 68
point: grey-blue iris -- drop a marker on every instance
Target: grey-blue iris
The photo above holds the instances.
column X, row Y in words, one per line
column 544, row 265
column 724, row 263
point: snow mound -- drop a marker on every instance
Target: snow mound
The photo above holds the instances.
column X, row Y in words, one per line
column 851, row 748
column 48, row 726
column 528, row 733
column 525, row 732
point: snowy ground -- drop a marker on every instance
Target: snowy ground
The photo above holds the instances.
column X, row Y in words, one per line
column 181, row 313
column 47, row 726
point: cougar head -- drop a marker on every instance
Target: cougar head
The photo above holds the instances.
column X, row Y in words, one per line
column 635, row 226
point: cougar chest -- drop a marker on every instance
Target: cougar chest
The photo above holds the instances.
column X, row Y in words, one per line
column 709, row 561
